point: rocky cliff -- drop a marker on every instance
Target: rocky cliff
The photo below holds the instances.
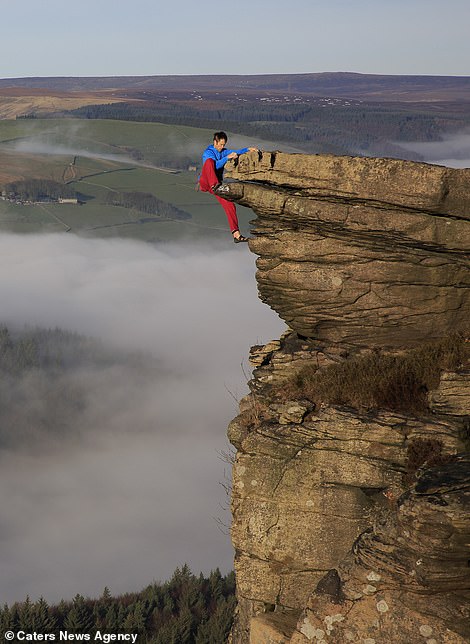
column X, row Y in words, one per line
column 351, row 483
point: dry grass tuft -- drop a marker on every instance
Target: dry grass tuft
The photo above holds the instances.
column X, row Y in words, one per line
column 422, row 452
column 253, row 417
column 381, row 381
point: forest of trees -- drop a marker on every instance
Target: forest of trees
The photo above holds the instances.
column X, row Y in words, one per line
column 47, row 349
column 188, row 609
column 43, row 397
column 39, row 190
column 147, row 203
column 359, row 128
column 17, row 355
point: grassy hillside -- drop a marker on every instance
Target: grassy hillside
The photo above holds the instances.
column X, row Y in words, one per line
column 101, row 156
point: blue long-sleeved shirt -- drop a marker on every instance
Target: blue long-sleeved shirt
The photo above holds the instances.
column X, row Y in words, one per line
column 220, row 158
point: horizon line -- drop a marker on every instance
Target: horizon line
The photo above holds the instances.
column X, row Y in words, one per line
column 260, row 74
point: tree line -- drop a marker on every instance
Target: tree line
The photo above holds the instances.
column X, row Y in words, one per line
column 187, row 609
column 38, row 189
column 357, row 128
column 45, row 366
column 147, row 203
column 17, row 355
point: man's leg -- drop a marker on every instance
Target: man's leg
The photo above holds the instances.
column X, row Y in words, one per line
column 208, row 178
column 230, row 211
column 207, row 181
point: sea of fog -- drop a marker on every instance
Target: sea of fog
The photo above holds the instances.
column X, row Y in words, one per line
column 453, row 151
column 137, row 488
column 136, row 484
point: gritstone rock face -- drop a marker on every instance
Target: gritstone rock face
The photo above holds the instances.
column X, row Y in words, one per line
column 351, row 519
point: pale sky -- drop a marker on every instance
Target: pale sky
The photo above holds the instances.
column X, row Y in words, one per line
column 146, row 37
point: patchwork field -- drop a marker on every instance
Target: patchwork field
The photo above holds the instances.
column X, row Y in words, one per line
column 96, row 157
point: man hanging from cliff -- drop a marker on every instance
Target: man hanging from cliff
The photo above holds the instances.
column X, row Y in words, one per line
column 214, row 159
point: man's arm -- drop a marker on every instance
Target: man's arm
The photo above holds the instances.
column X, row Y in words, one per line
column 221, row 158
column 242, row 151
column 233, row 154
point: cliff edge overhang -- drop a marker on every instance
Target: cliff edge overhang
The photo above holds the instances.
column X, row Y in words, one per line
column 358, row 251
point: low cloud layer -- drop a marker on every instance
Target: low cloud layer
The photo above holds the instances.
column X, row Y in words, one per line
column 453, row 151
column 134, row 489
column 78, row 138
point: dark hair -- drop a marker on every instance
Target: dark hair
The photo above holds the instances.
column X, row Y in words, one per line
column 220, row 135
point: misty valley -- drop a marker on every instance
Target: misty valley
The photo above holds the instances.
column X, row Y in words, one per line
column 127, row 314
column 60, row 391
column 56, row 387
column 114, row 390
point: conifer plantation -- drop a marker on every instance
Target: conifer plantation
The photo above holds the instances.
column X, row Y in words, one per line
column 187, row 609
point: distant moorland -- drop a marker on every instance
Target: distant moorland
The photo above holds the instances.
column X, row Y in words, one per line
column 343, row 113
column 112, row 136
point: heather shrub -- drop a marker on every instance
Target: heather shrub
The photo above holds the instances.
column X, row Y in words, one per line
column 379, row 380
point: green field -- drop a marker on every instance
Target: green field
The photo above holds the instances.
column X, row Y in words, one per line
column 110, row 155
